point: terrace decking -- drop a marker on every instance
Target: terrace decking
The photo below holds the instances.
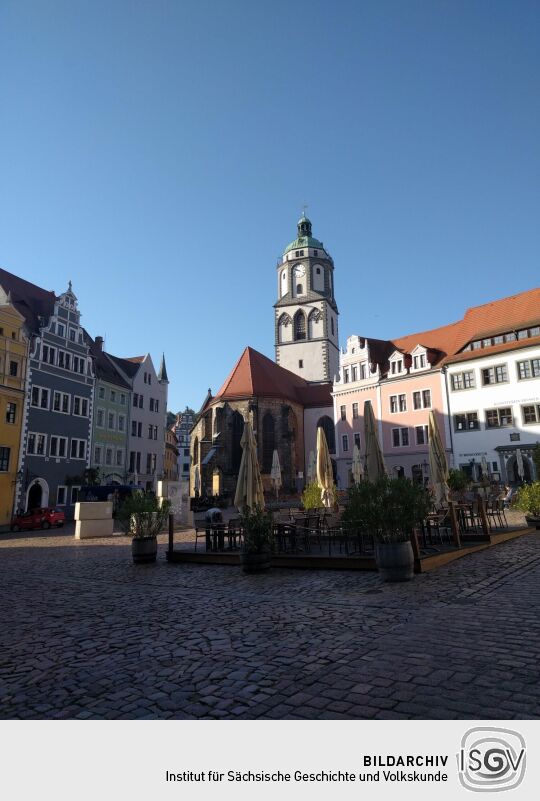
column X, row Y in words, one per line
column 425, row 559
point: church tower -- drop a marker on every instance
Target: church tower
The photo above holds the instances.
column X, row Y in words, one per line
column 306, row 315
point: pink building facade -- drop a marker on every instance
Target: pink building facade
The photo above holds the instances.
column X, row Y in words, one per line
column 404, row 381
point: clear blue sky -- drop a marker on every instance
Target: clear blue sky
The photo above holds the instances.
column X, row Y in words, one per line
column 158, row 154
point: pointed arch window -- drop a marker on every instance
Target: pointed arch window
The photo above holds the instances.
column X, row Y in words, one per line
column 269, row 441
column 327, row 425
column 236, row 447
column 196, row 451
column 299, row 325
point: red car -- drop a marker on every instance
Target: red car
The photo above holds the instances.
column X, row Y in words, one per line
column 38, row 518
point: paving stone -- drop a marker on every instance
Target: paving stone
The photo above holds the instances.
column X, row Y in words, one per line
column 460, row 642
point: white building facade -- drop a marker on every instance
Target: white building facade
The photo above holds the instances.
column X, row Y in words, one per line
column 146, row 440
column 494, row 402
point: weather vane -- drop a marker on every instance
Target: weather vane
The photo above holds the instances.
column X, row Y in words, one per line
column 304, row 207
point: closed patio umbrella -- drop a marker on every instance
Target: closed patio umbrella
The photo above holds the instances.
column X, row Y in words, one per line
column 275, row 472
column 375, row 466
column 438, row 466
column 519, row 464
column 485, row 469
column 197, row 480
column 249, row 488
column 357, row 465
column 325, row 474
column 312, row 468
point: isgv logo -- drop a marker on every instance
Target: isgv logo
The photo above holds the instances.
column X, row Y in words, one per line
column 491, row 759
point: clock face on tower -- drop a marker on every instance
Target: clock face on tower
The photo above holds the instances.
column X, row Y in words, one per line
column 300, row 271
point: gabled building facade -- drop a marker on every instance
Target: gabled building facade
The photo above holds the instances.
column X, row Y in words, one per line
column 14, row 345
column 148, row 416
column 57, row 423
column 182, row 428
column 111, row 418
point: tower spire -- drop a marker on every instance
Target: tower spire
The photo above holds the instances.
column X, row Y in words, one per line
column 162, row 375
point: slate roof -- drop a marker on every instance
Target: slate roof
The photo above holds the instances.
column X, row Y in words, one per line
column 30, row 300
column 129, row 366
column 105, row 368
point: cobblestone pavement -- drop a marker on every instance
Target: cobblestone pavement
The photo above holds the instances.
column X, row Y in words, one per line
column 87, row 634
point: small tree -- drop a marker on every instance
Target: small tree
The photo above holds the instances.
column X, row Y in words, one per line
column 258, row 530
column 457, row 480
column 527, row 499
column 390, row 508
column 143, row 515
column 312, row 496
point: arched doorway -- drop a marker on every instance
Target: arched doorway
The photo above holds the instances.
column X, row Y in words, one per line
column 37, row 495
column 512, row 471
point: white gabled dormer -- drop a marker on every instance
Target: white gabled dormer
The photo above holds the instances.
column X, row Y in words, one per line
column 397, row 364
column 419, row 359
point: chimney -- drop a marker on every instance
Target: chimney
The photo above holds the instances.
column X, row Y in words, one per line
column 99, row 343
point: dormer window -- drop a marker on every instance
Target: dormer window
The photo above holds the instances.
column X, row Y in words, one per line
column 396, row 366
column 345, row 376
column 419, row 361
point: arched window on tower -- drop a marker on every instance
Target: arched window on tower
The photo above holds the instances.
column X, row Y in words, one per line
column 299, row 325
column 284, row 328
column 327, row 425
column 269, row 441
column 196, row 451
column 236, row 447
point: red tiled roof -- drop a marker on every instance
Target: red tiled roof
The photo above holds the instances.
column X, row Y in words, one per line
column 135, row 359
column 255, row 375
column 479, row 322
column 493, row 350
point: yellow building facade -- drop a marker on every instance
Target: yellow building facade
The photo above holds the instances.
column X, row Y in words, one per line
column 14, row 346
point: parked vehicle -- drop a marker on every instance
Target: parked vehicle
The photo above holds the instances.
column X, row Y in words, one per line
column 38, row 518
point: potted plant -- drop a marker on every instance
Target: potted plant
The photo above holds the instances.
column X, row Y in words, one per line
column 258, row 540
column 143, row 517
column 312, row 497
column 458, row 481
column 391, row 508
column 527, row 500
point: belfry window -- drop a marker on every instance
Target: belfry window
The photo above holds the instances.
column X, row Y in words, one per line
column 299, row 325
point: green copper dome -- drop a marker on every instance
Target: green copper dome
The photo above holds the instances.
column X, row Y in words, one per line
column 304, row 240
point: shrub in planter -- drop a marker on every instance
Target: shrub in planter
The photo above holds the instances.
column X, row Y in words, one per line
column 390, row 508
column 458, row 481
column 143, row 517
column 527, row 500
column 258, row 540
column 312, row 496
